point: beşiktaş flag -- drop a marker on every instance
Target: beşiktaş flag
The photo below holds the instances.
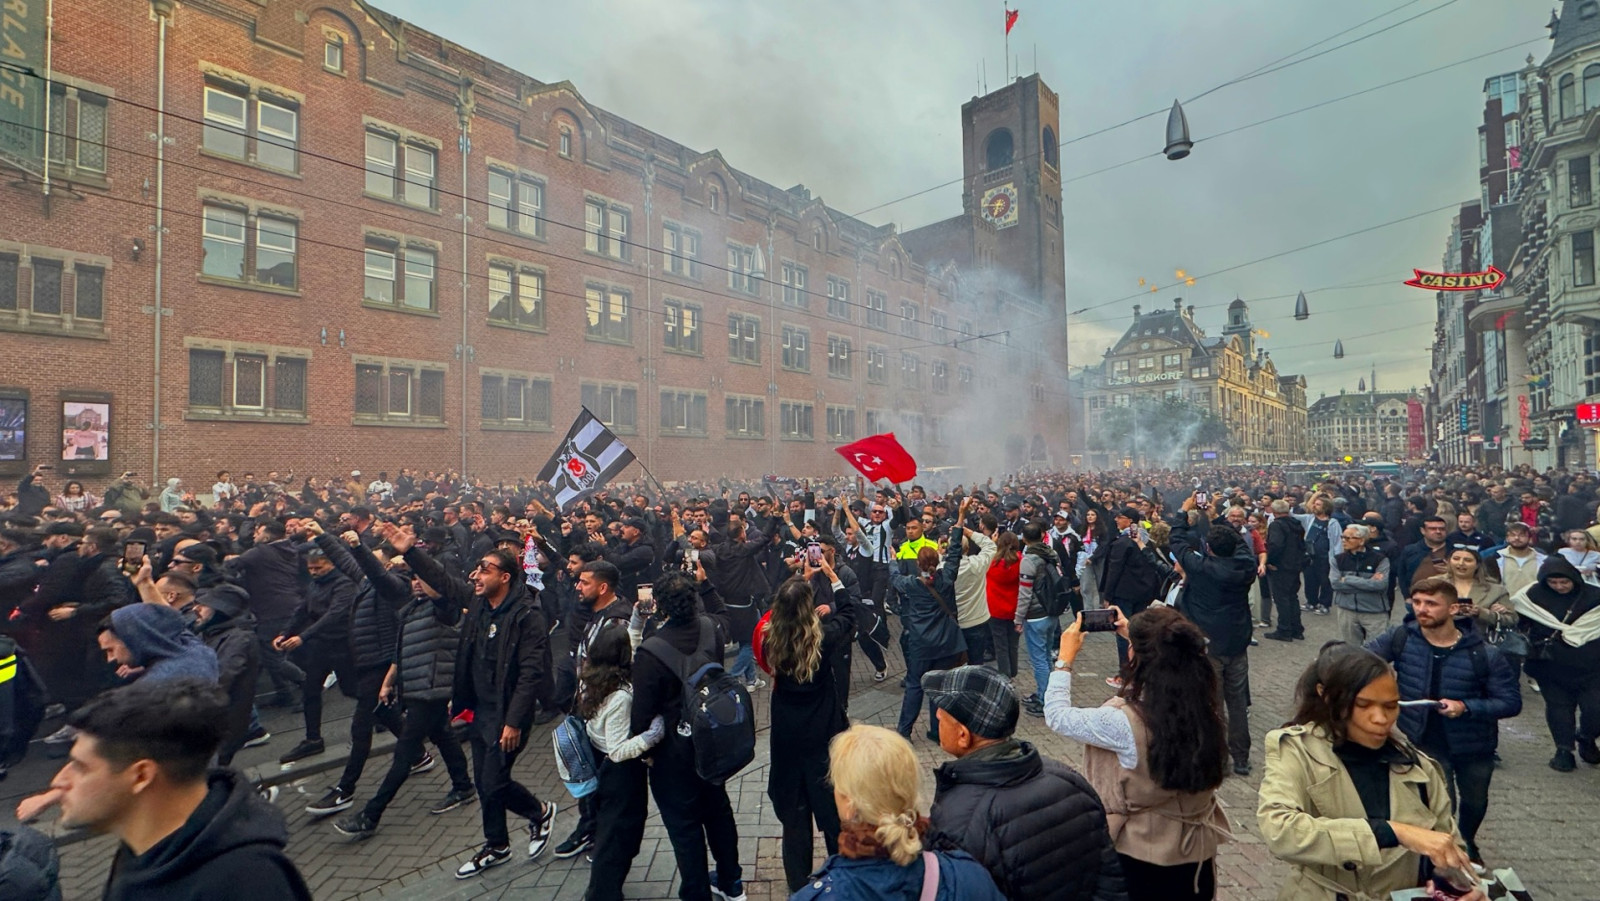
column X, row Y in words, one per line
column 589, row 457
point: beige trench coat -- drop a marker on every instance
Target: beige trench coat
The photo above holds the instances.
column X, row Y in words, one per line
column 1311, row 817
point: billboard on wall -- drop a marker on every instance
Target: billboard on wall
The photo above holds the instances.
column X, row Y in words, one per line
column 23, row 35
column 13, row 428
column 1416, row 429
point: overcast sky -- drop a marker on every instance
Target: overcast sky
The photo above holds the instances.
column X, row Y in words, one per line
column 861, row 102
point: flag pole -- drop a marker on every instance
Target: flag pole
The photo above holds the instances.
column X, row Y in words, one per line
column 1008, row 38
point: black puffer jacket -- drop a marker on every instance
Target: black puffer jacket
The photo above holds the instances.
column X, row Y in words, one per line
column 425, row 653
column 1035, row 824
column 1216, row 592
column 375, row 611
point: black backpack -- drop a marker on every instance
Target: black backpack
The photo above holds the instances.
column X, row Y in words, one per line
column 1479, row 653
column 1049, row 588
column 717, row 717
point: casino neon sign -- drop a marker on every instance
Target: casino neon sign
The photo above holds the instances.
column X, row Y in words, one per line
column 1488, row 280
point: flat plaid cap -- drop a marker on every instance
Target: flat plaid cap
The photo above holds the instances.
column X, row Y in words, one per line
column 978, row 697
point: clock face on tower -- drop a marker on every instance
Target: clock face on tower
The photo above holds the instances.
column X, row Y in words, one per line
column 999, row 206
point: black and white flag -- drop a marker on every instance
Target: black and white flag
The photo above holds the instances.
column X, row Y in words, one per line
column 589, row 458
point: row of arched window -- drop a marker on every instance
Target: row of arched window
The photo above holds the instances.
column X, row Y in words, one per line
column 1568, row 102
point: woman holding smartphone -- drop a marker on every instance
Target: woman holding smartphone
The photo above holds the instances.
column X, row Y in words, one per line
column 1347, row 801
column 1155, row 753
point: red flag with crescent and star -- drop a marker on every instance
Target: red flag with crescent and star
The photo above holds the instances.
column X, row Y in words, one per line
column 880, row 457
column 1011, row 19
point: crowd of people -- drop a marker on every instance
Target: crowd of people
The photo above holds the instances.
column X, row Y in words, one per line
column 156, row 624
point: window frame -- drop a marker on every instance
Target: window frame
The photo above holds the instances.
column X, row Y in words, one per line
column 618, row 392
column 839, row 299
column 517, row 278
column 877, row 306
column 692, row 404
column 795, row 278
column 605, row 329
column 416, row 374
column 738, row 339
column 536, row 401
column 795, row 348
column 801, row 415
column 601, row 236
column 744, row 409
column 676, row 258
column 276, row 403
column 840, row 362
column 517, row 213
column 682, row 327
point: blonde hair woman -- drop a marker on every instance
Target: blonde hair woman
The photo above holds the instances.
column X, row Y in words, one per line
column 875, row 777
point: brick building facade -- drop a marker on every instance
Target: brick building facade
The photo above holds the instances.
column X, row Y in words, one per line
column 350, row 243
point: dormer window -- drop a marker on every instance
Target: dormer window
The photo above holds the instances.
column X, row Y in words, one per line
column 714, row 200
column 333, row 53
column 566, row 142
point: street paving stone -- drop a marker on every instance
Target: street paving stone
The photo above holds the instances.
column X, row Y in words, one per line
column 1541, row 822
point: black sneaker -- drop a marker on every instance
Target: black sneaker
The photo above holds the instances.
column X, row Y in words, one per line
column 358, row 826
column 1563, row 762
column 539, row 830
column 1278, row 636
column 257, row 738
column 1241, row 769
column 735, row 893
column 574, row 845
column 423, row 765
column 1589, row 751
column 310, row 747
column 483, row 860
column 452, row 801
column 336, row 800
column 1032, row 707
column 544, row 715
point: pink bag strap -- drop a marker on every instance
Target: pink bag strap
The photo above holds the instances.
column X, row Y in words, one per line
column 930, row 876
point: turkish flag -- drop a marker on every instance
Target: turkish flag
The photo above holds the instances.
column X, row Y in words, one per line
column 880, row 457
column 1011, row 19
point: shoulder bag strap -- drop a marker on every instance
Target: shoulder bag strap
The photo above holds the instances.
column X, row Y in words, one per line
column 930, row 876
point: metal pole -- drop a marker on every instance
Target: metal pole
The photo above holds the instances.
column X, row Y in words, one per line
column 49, row 90
column 161, row 234
column 465, row 119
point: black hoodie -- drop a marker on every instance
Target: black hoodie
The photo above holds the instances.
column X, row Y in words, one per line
column 230, row 847
column 1566, row 607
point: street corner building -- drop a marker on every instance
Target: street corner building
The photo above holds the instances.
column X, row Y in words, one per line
column 1164, row 371
column 270, row 236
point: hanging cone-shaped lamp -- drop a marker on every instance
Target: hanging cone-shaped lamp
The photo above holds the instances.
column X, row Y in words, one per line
column 758, row 264
column 1361, row 385
column 1338, row 349
column 1178, row 141
column 1302, row 310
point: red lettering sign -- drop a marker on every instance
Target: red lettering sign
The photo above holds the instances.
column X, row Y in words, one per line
column 1488, row 280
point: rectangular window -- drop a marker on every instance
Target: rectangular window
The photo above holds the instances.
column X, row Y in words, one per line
column 877, row 310
column 940, row 377
column 838, row 298
column 500, row 199
column 605, row 230
column 379, row 276
column 430, row 395
column 744, row 338
column 223, row 243
column 1200, row 372
column 250, row 381
column 515, row 401
column 1172, row 361
column 1583, row 258
column 747, row 417
column 419, row 279
column 566, row 143
column 614, row 405
column 608, row 312
column 796, row 349
column 794, row 286
column 1580, row 193
column 796, row 420
column 277, row 135
column 910, row 371
column 420, row 169
column 47, row 287
column 680, row 327
column 399, row 392
column 838, row 357
column 10, row 266
column 515, row 203
column 382, row 164
column 964, row 377
column 841, row 423
column 877, row 365
column 516, row 297
column 908, row 319
column 1120, row 368
column 205, row 378
column 1147, row 364
column 91, row 291
column 741, row 265
column 333, row 54
column 77, row 141
column 683, row 412
column 680, row 248
column 226, row 129
column 275, row 252
column 289, row 384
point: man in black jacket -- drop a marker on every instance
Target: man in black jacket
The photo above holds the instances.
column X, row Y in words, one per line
column 1216, row 595
column 317, row 637
column 632, row 556
column 271, row 573
column 1035, row 824
column 1286, row 558
column 1128, row 579
column 501, row 671
column 138, row 772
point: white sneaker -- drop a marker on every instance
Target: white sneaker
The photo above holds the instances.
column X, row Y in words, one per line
column 331, row 681
column 755, row 685
column 64, row 734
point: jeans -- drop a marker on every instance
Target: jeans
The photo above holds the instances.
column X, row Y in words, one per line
column 367, row 713
column 1037, row 632
column 697, row 817
column 1468, row 780
column 918, row 666
column 1286, row 597
column 977, row 638
column 424, row 720
column 621, row 804
column 497, row 792
column 744, row 666
column 1003, row 638
column 1233, row 680
column 1566, row 693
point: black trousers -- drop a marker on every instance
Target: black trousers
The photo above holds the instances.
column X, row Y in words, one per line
column 1566, row 694
column 813, row 803
column 424, row 720
column 317, row 663
column 1468, row 779
column 698, row 818
column 1319, row 591
column 368, row 712
column 620, row 806
column 1233, row 678
column 497, row 791
column 285, row 676
column 1152, row 882
column 977, row 638
column 872, row 634
column 874, row 580
column 1286, row 597
column 1003, row 636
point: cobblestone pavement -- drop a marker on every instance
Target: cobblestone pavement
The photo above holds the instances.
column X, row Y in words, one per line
column 1541, row 822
